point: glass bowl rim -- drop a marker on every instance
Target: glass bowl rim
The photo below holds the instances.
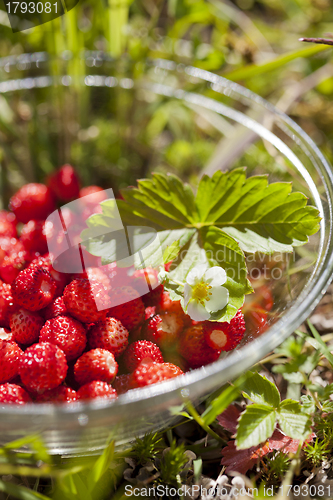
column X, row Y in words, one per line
column 248, row 355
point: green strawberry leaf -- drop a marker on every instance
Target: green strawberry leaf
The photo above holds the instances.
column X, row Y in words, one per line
column 260, row 390
column 171, row 252
column 293, row 422
column 255, row 426
column 261, row 217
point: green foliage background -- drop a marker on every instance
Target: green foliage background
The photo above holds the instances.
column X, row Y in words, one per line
column 254, row 42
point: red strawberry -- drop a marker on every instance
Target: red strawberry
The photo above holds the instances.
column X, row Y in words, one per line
column 148, row 277
column 42, row 367
column 34, row 288
column 12, row 265
column 225, row 336
column 130, row 309
column 194, row 348
column 151, row 373
column 33, row 236
column 256, row 322
column 168, row 305
column 150, row 311
column 61, row 279
column 7, row 306
column 32, row 201
column 67, row 333
column 79, row 298
column 7, row 224
column 60, row 394
column 56, row 308
column 96, row 196
column 123, row 383
column 13, row 394
column 9, row 246
column 25, row 326
column 118, row 276
column 96, row 274
column 164, row 329
column 5, row 334
column 109, row 334
column 10, row 356
column 97, row 364
column 65, row 183
column 97, row 389
column 142, row 351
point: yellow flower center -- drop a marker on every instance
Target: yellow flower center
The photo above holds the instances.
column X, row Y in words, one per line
column 200, row 292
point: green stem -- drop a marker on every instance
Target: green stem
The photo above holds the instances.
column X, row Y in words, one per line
column 193, row 412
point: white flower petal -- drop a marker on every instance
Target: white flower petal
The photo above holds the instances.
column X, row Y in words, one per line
column 197, row 311
column 196, row 274
column 187, row 293
column 218, row 299
column 215, row 276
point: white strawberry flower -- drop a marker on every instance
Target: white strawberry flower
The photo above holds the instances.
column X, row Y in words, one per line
column 204, row 293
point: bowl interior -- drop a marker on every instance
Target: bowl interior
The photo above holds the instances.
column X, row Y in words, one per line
column 117, row 121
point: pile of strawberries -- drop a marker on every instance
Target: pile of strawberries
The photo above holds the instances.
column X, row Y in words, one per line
column 56, row 345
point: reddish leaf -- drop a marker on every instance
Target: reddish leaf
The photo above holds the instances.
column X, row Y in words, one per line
column 241, row 460
column 229, row 418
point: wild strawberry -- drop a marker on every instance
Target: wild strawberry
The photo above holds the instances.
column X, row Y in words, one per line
column 262, row 298
column 141, row 351
column 168, row 305
column 148, row 277
column 225, row 336
column 34, row 288
column 109, row 334
column 194, row 348
column 65, row 183
column 150, row 311
column 90, row 198
column 67, row 333
column 10, row 356
column 118, row 276
column 96, row 274
column 33, row 236
column 97, row 389
column 13, row 394
column 32, row 201
column 9, row 246
column 5, row 334
column 164, row 329
column 168, row 265
column 256, row 322
column 42, row 367
column 130, row 309
column 25, row 326
column 56, row 308
column 7, row 306
column 86, row 301
column 61, row 279
column 60, row 394
column 123, row 383
column 151, row 373
column 7, row 224
column 12, row 265
column 97, row 364
column 154, row 296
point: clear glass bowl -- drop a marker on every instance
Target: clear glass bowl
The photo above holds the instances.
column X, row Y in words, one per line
column 63, row 104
